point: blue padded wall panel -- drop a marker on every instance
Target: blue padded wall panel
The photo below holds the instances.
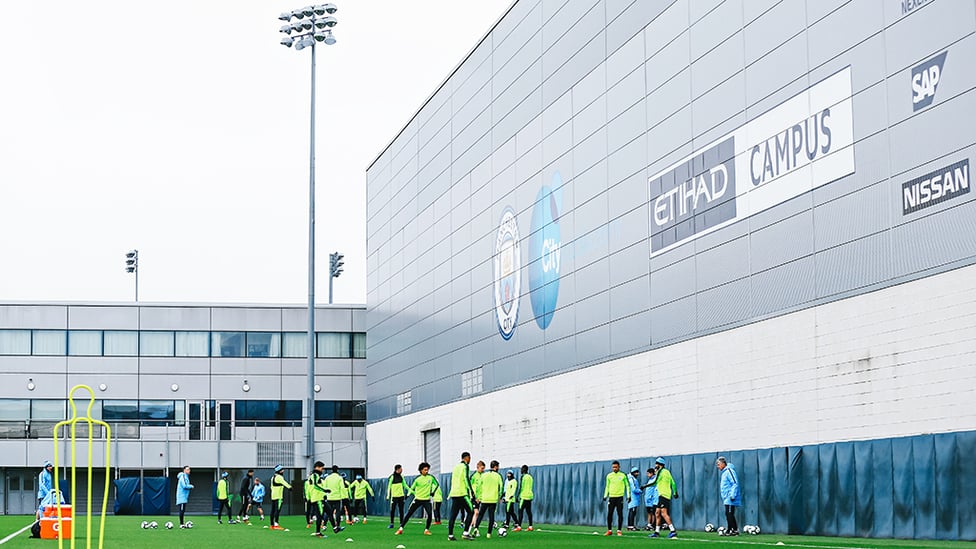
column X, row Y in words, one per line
column 863, row 490
column 903, row 487
column 923, row 452
column 965, row 482
column 843, row 480
column 944, row 481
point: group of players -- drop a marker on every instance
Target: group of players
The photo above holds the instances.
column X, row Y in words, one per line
column 474, row 497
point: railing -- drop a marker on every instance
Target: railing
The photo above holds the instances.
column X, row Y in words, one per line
column 245, row 430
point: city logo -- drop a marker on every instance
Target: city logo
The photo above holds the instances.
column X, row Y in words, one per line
column 932, row 188
column 798, row 145
column 545, row 252
column 507, row 281
column 925, row 80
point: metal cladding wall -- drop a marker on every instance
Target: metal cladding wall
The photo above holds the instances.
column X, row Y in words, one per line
column 603, row 130
column 725, row 216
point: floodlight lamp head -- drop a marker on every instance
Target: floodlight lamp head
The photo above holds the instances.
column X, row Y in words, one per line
column 285, row 16
column 287, row 41
column 307, row 11
column 285, row 29
column 300, row 45
column 327, row 21
column 296, row 26
column 329, row 8
column 297, row 14
column 307, row 24
column 329, row 39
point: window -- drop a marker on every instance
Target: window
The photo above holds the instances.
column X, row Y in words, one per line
column 404, row 402
column 49, row 410
column 359, row 345
column 471, row 382
column 347, row 411
column 227, row 344
column 14, row 410
column 156, row 343
column 263, row 345
column 50, row 343
column 268, row 413
column 84, row 343
column 147, row 412
column 193, row 344
column 294, row 345
column 119, row 343
column 120, row 410
column 333, row 345
column 15, row 342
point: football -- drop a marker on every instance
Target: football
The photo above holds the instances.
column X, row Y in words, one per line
column 748, row 528
column 502, row 532
column 709, row 527
column 721, row 530
column 189, row 524
column 144, row 525
column 755, row 529
column 154, row 524
column 169, row 525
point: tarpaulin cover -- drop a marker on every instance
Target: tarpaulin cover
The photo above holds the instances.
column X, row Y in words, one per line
column 128, row 500
column 151, row 497
column 155, row 494
column 910, row 487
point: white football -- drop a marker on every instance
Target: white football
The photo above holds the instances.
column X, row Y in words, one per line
column 709, row 527
column 720, row 530
column 502, row 532
column 154, row 524
column 169, row 525
column 189, row 524
column 755, row 529
column 747, row 528
column 144, row 525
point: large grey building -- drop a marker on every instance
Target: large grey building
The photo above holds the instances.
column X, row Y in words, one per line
column 624, row 229
column 216, row 387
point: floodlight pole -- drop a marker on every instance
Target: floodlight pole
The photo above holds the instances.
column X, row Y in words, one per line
column 310, row 374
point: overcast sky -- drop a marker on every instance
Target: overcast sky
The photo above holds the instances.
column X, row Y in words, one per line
column 181, row 129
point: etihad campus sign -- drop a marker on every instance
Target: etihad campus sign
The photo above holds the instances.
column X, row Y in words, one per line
column 799, row 145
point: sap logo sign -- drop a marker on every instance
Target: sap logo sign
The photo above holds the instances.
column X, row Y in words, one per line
column 925, row 80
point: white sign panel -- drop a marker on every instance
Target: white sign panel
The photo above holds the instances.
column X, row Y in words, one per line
column 802, row 143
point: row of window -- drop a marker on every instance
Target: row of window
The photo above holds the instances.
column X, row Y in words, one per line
column 181, row 344
column 247, row 413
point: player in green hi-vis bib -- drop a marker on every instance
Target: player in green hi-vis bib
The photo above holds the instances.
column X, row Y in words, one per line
column 396, row 490
column 526, row 495
column 617, row 490
column 438, row 499
column 511, row 489
column 278, row 485
column 360, row 488
column 335, row 494
column 423, row 489
column 222, row 499
column 491, row 490
column 461, row 494
column 476, row 488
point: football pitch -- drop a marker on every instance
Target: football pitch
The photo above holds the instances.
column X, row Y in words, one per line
column 126, row 532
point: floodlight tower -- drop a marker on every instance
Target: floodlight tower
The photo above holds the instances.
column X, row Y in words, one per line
column 132, row 266
column 304, row 27
column 335, row 269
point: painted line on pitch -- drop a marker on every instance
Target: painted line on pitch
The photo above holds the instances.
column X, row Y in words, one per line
column 17, row 533
column 724, row 541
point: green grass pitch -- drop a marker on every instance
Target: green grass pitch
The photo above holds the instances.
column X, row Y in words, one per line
column 125, row 532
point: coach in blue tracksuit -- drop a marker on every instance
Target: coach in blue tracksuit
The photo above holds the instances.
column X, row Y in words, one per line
column 731, row 494
column 635, row 498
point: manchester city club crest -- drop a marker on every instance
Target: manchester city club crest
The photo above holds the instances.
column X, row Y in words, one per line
column 507, row 281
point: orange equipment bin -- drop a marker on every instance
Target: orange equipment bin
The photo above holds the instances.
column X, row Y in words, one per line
column 49, row 521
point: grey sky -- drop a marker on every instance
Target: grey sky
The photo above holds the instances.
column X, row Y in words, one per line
column 181, row 129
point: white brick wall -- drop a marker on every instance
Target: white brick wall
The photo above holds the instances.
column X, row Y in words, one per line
column 896, row 362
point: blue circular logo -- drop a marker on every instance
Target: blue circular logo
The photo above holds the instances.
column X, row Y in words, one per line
column 507, row 263
column 545, row 252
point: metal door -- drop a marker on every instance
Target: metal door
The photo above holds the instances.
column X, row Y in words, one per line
column 210, row 420
column 21, row 492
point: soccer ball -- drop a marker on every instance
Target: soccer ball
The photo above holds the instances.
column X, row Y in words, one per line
column 154, row 524
column 144, row 525
column 755, row 530
column 502, row 532
column 355, row 520
column 169, row 525
column 747, row 528
column 709, row 527
column 721, row 530
column 189, row 524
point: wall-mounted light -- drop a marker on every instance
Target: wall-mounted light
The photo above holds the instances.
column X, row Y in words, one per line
column 174, row 387
column 318, row 388
column 246, row 387
column 102, row 387
column 30, row 384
